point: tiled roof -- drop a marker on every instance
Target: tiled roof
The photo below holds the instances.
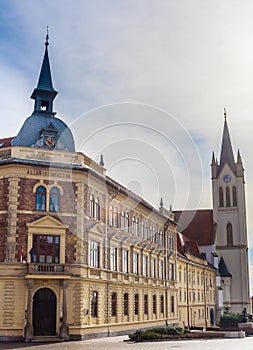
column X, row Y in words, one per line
column 223, row 270
column 186, row 245
column 197, row 225
column 6, row 142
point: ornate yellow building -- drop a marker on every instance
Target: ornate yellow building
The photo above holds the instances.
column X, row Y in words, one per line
column 79, row 253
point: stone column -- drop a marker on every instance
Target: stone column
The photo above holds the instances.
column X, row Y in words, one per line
column 29, row 326
column 64, row 329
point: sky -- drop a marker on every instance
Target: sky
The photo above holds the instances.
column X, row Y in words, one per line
column 142, row 82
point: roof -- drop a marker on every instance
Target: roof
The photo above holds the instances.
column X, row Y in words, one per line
column 186, row 245
column 197, row 225
column 226, row 155
column 223, row 270
column 6, row 142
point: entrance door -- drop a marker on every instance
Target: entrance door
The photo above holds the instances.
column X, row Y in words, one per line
column 44, row 312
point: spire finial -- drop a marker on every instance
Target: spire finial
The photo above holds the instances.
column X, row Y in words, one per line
column 225, row 113
column 47, row 38
column 102, row 160
column 161, row 203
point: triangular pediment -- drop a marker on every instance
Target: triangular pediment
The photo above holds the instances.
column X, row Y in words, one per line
column 47, row 222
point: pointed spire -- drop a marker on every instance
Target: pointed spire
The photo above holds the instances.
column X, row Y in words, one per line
column 44, row 93
column 213, row 158
column 161, row 203
column 239, row 158
column 226, row 155
column 45, row 78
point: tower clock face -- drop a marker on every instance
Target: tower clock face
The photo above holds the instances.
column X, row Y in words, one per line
column 50, row 141
column 226, row 178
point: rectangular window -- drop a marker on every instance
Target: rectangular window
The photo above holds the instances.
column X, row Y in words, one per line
column 162, row 304
column 136, row 263
column 94, row 304
column 125, row 304
column 153, row 267
column 114, row 304
column 125, row 261
column 145, row 304
column 46, row 249
column 145, row 265
column 160, row 268
column 171, row 272
column 172, row 304
column 113, row 259
column 154, row 304
column 136, row 304
column 94, row 254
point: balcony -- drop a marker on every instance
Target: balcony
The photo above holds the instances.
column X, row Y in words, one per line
column 46, row 269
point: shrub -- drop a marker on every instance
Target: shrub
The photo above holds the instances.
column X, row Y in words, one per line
column 230, row 319
column 154, row 333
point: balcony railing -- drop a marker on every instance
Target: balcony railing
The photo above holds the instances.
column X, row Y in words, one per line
column 38, row 268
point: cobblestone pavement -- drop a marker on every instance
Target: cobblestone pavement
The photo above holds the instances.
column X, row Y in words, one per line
column 119, row 343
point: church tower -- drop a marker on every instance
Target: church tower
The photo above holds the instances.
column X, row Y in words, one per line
column 229, row 216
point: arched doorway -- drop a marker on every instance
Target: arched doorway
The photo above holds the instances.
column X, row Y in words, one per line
column 44, row 312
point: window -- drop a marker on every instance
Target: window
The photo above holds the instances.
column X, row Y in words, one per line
column 171, row 272
column 172, row 304
column 142, row 230
column 110, row 215
column 91, row 206
column 170, row 242
column 46, row 249
column 229, row 234
column 94, row 304
column 180, row 295
column 114, row 304
column 125, row 304
column 97, row 209
column 136, row 304
column 113, row 259
column 125, row 261
column 153, row 267
column 234, row 196
column 228, row 203
column 54, row 199
column 160, row 268
column 135, row 226
column 122, row 221
column 154, row 304
column 136, row 263
column 115, row 217
column 94, row 254
column 41, row 198
column 221, row 197
column 145, row 304
column 162, row 304
column 126, row 222
column 145, row 265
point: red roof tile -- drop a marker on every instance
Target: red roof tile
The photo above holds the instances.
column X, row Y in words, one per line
column 197, row 225
column 6, row 142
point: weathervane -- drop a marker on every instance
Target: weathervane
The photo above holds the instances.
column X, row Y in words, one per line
column 47, row 38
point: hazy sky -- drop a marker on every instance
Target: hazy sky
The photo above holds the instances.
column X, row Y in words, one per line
column 143, row 82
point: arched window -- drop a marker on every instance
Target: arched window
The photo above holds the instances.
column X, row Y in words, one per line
column 40, row 198
column 234, row 196
column 221, row 197
column 228, row 203
column 122, row 221
column 97, row 209
column 126, row 222
column 54, row 199
column 229, row 234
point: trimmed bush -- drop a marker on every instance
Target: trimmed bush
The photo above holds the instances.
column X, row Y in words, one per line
column 231, row 319
column 155, row 333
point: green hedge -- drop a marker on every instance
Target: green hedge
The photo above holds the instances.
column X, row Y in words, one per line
column 154, row 333
column 231, row 319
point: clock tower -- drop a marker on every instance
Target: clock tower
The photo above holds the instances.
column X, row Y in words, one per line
column 229, row 216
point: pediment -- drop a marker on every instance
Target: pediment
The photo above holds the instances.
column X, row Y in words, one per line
column 47, row 222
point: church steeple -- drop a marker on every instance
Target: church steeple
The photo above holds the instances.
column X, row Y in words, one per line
column 44, row 93
column 226, row 155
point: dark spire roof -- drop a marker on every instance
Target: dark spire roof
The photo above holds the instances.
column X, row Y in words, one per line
column 223, row 269
column 45, row 82
column 226, row 155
